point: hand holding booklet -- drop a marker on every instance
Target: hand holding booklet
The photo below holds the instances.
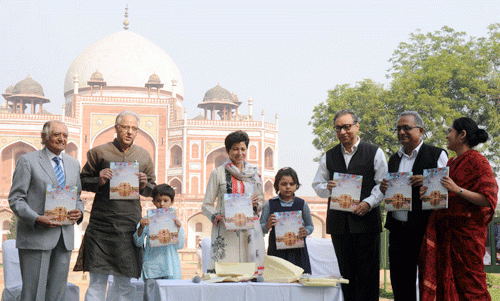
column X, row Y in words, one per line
column 238, row 211
column 398, row 194
column 346, row 195
column 124, row 185
column 436, row 196
column 59, row 201
column 287, row 230
column 162, row 228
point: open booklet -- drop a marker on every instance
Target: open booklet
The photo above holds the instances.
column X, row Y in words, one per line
column 162, row 228
column 436, row 196
column 398, row 194
column 124, row 185
column 346, row 195
column 238, row 211
column 279, row 270
column 59, row 201
column 287, row 230
column 232, row 272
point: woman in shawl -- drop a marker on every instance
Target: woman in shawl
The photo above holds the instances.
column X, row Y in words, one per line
column 451, row 260
column 234, row 176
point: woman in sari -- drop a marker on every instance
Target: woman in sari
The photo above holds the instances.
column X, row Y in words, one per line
column 234, row 176
column 451, row 260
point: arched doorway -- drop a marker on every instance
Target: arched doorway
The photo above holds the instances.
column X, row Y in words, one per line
column 215, row 159
column 175, row 156
column 72, row 150
column 199, row 227
column 268, row 189
column 269, row 158
column 176, row 185
column 142, row 139
column 10, row 155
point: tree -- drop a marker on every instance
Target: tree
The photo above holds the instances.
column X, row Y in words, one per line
column 369, row 101
column 442, row 75
column 13, row 227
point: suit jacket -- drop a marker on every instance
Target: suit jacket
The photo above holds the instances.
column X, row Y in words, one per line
column 27, row 199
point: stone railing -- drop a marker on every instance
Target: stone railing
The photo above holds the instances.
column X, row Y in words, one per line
column 228, row 123
column 41, row 117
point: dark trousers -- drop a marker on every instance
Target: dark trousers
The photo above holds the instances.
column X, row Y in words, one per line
column 358, row 255
column 404, row 251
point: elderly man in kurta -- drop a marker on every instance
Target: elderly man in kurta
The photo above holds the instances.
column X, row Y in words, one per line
column 108, row 247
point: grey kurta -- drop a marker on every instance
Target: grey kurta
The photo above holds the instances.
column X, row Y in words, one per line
column 108, row 246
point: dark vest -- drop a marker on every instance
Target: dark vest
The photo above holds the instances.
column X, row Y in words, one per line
column 341, row 222
column 427, row 157
column 298, row 256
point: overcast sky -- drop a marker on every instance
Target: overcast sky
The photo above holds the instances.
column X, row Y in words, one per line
column 285, row 55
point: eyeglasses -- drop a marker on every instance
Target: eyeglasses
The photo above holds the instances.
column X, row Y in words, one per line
column 405, row 128
column 346, row 127
column 127, row 128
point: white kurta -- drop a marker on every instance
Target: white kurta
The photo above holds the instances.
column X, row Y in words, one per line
column 231, row 246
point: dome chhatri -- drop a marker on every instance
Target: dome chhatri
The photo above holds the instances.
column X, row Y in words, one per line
column 9, row 89
column 127, row 59
column 28, row 87
column 220, row 94
column 97, row 77
column 154, row 79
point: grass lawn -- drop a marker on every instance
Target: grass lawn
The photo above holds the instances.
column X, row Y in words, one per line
column 493, row 281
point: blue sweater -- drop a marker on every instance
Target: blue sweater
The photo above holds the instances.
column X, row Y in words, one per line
column 160, row 261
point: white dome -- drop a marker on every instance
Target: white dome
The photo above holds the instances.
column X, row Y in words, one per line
column 124, row 59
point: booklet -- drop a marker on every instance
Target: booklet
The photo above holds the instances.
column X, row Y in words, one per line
column 124, row 185
column 238, row 211
column 287, row 230
column 436, row 196
column 347, row 194
column 162, row 228
column 59, row 201
column 398, row 194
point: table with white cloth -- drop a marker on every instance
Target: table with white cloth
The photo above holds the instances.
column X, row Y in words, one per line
column 321, row 255
column 179, row 290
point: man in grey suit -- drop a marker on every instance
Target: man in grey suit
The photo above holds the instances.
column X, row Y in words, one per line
column 44, row 245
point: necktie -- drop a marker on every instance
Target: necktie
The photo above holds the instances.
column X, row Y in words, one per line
column 59, row 171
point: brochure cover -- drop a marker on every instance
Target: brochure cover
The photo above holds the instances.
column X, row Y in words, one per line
column 238, row 211
column 59, row 201
column 436, row 196
column 124, row 185
column 287, row 230
column 347, row 194
column 398, row 194
column 162, row 228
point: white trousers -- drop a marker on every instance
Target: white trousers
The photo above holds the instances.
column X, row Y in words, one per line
column 120, row 290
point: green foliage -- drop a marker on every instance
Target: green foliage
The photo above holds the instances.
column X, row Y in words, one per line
column 13, row 227
column 386, row 294
column 442, row 75
column 368, row 100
